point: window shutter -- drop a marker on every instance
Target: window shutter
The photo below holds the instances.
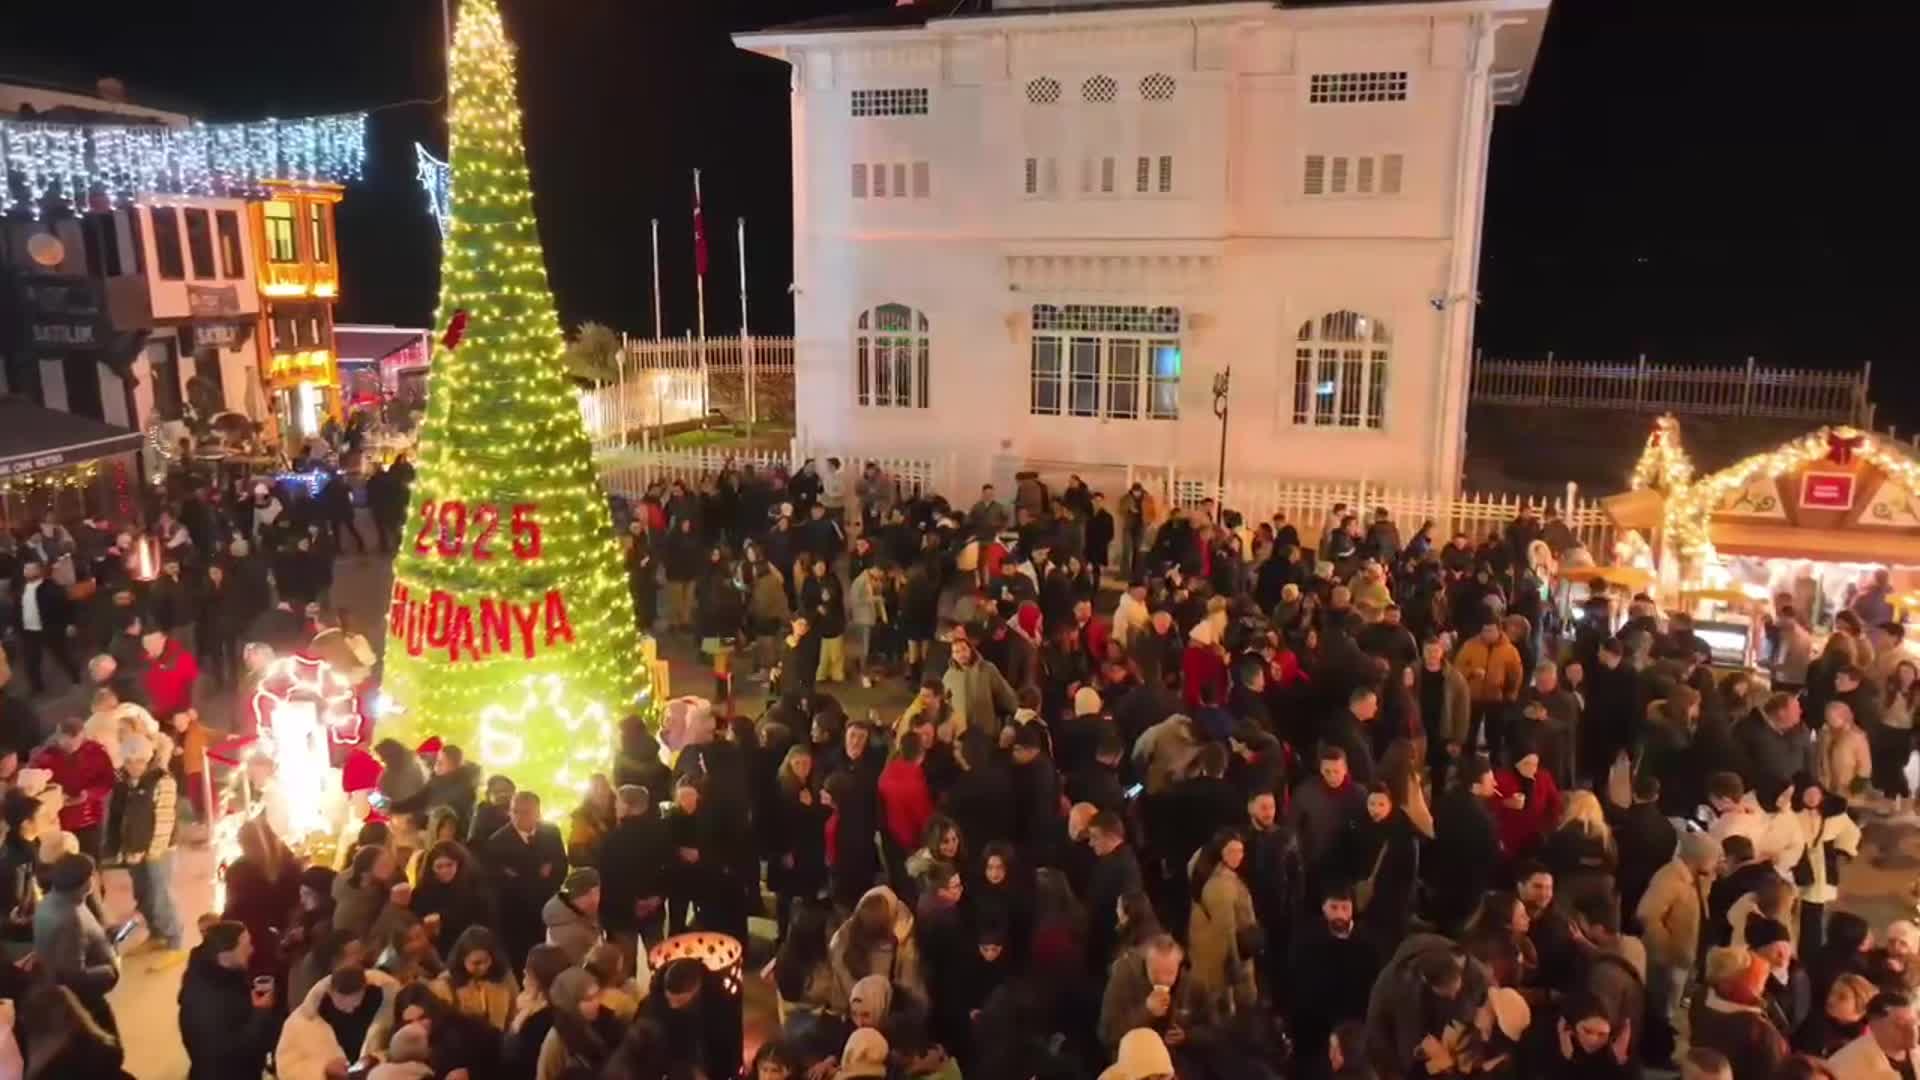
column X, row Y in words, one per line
column 1053, row 176
column 1033, row 176
column 1166, row 175
column 922, row 179
column 1106, row 176
column 1390, row 165
column 1339, row 184
column 1143, row 176
column 859, row 179
column 879, row 181
column 1316, row 175
column 1363, row 177
column 900, row 181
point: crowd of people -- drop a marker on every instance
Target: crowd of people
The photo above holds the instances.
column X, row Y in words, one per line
column 1309, row 800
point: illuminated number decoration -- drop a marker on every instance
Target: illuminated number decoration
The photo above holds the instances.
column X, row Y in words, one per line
column 510, row 629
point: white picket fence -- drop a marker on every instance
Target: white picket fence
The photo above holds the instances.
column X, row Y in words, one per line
column 1833, row 397
column 1309, row 506
column 628, row 473
column 675, row 380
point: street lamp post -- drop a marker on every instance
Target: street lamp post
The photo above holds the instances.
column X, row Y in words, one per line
column 1221, row 382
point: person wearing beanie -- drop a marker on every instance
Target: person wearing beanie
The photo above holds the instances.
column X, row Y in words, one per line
column 1731, row 1016
column 1670, row 914
column 1789, row 992
column 865, row 1055
column 572, row 916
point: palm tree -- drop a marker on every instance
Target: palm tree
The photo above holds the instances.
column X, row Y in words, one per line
column 594, row 353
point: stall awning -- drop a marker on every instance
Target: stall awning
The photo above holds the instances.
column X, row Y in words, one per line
column 33, row 438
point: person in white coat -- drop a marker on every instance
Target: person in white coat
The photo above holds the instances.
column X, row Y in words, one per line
column 1886, row 1050
column 310, row 1048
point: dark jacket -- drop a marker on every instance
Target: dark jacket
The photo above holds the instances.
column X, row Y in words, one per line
column 1645, row 838
column 226, row 1037
column 635, row 860
column 1465, row 854
column 1771, row 755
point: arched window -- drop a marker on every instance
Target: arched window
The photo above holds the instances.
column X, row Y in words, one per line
column 890, row 357
column 1340, row 371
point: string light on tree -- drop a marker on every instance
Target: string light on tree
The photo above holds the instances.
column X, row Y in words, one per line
column 510, row 626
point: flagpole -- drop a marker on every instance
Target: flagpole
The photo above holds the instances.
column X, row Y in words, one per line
column 659, row 331
column 746, row 339
column 700, row 291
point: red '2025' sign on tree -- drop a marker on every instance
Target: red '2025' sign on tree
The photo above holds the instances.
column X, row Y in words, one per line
column 469, row 628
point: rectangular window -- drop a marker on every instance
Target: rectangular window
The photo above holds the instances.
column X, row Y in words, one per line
column 883, row 371
column 1363, row 176
column 1376, row 388
column 232, row 262
column 1045, row 399
column 137, row 240
column 1349, row 87
column 922, row 180
column 1390, row 174
column 859, row 179
column 1166, row 175
column 1338, row 182
column 899, row 181
column 864, row 389
column 1163, row 396
column 1314, row 177
column 1351, row 374
column 925, row 364
column 1123, row 378
column 166, row 244
column 200, row 243
column 1143, row 175
column 317, row 220
column 1086, row 176
column 1323, row 391
column 1302, row 385
column 102, row 235
column 911, row 101
column 1106, row 176
column 1050, row 183
column 1083, row 376
column 1033, row 176
column 283, row 246
column 879, row 181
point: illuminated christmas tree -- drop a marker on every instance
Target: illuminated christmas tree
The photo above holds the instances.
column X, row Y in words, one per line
column 510, row 630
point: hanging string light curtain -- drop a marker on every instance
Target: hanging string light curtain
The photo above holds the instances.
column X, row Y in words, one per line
column 45, row 165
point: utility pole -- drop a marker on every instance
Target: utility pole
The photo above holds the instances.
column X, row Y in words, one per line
column 1221, row 383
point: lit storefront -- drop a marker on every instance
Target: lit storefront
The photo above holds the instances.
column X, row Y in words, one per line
column 299, row 284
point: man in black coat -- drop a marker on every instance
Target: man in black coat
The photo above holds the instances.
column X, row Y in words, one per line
column 981, row 800
column 1038, row 829
column 1276, row 878
column 1099, row 534
column 528, row 861
column 1348, row 729
column 1192, row 810
column 1466, row 846
column 1098, row 781
column 635, row 859
column 1116, row 873
column 1646, row 840
column 227, row 1026
column 1339, row 964
column 1610, row 722
column 217, row 619
column 46, row 622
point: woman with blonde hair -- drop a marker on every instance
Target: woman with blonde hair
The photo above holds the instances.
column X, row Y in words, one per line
column 1582, row 847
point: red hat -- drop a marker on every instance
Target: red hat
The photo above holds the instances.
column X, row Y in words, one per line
column 1029, row 619
column 360, row 772
column 431, row 746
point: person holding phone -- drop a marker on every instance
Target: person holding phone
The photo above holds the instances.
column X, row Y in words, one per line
column 227, row 1020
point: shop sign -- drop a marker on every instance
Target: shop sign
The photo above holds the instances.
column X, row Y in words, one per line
column 33, row 463
column 62, row 313
column 204, row 300
column 1826, row 491
column 218, row 335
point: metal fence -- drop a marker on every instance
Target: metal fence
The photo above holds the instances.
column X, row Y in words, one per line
column 1833, row 397
column 629, row 472
column 1309, row 506
column 672, row 381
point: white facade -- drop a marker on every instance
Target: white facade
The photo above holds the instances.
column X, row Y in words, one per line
column 1075, row 219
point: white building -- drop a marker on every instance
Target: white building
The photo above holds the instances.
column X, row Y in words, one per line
column 1034, row 236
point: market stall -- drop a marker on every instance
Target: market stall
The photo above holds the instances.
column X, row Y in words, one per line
column 56, row 461
column 1812, row 520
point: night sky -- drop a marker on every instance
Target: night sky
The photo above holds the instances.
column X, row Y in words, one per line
column 1697, row 182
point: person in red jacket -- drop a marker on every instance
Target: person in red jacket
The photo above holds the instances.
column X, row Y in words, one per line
column 171, row 671
column 906, row 805
column 1203, row 667
column 84, row 773
column 1526, row 803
